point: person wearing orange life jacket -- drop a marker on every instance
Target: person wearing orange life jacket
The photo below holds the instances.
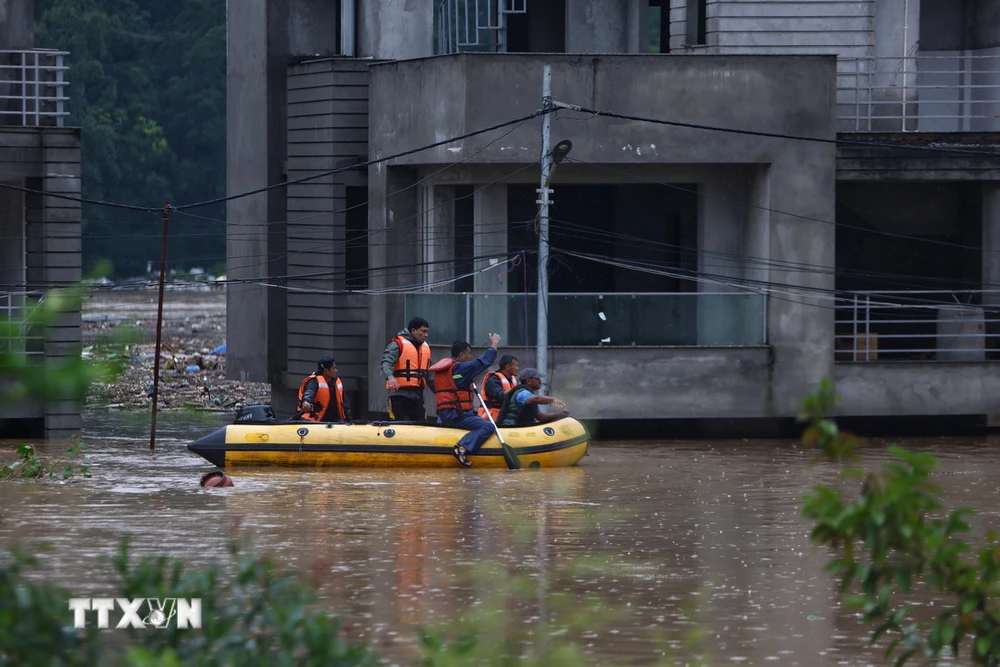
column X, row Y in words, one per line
column 453, row 392
column 496, row 384
column 321, row 395
column 404, row 365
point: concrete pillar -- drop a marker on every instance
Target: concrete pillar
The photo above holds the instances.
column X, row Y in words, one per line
column 17, row 25
column 757, row 248
column 396, row 29
column 636, row 26
column 437, row 234
column 393, row 226
column 490, row 314
column 801, row 322
column 596, row 26
column 721, row 222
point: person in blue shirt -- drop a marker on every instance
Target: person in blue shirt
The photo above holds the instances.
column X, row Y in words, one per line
column 453, row 393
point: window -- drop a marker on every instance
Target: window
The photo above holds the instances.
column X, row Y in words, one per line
column 658, row 26
column 696, row 22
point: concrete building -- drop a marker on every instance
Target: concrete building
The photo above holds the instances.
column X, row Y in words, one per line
column 695, row 273
column 40, row 246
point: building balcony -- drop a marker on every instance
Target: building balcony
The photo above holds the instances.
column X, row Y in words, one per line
column 929, row 92
column 33, row 88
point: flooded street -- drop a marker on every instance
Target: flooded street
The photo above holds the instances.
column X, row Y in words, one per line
column 690, row 534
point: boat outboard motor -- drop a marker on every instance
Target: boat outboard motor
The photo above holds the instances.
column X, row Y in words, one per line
column 255, row 414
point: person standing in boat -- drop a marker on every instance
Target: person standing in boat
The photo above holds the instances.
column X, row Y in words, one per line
column 321, row 395
column 496, row 384
column 520, row 405
column 404, row 365
column 453, row 394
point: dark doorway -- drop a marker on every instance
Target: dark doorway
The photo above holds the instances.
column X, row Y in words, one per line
column 540, row 29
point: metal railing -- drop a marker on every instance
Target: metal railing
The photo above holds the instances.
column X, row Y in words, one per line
column 596, row 319
column 32, row 87
column 17, row 334
column 957, row 92
column 471, row 25
column 921, row 325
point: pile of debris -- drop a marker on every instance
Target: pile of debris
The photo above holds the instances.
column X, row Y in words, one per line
column 192, row 355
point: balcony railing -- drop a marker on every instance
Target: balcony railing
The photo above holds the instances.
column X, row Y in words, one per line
column 17, row 334
column 919, row 326
column 596, row 319
column 33, row 87
column 924, row 93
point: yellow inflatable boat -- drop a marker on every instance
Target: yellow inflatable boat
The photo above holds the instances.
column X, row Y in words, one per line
column 258, row 439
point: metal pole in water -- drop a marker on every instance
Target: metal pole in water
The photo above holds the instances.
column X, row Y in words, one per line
column 159, row 327
column 542, row 334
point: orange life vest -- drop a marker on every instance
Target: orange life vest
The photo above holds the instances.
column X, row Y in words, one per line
column 321, row 401
column 410, row 369
column 494, row 406
column 446, row 392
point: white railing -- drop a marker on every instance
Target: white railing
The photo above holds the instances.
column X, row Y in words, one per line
column 470, row 25
column 943, row 92
column 33, row 87
column 17, row 334
column 591, row 319
column 918, row 325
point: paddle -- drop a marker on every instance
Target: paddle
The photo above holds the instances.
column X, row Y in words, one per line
column 513, row 463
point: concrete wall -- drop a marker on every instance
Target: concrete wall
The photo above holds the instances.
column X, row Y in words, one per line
column 395, row 29
column 456, row 94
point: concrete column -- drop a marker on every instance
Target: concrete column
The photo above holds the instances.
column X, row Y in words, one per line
column 721, row 222
column 393, row 225
column 396, row 29
column 596, row 26
column 637, row 26
column 757, row 248
column 437, row 233
column 801, row 323
column 489, row 314
column 17, row 24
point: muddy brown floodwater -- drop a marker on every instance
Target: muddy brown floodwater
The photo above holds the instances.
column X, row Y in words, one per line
column 707, row 533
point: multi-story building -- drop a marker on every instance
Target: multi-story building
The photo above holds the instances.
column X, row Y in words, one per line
column 796, row 190
column 39, row 235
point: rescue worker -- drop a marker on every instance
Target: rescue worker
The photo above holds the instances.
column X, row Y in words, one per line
column 496, row 384
column 520, row 406
column 404, row 365
column 321, row 395
column 453, row 394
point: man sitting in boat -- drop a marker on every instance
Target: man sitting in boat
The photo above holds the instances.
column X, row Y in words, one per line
column 404, row 365
column 496, row 384
column 453, row 395
column 520, row 406
column 317, row 402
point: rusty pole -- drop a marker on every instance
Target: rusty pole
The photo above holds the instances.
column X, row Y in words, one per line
column 159, row 326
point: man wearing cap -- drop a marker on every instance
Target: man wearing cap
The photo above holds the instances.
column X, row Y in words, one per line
column 321, row 395
column 520, row 406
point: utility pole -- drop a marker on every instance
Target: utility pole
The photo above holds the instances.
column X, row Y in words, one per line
column 543, row 230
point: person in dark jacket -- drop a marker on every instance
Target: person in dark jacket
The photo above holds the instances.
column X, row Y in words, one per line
column 321, row 395
column 453, row 378
column 520, row 406
column 404, row 366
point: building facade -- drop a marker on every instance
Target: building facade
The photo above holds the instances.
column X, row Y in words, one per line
column 40, row 246
column 789, row 191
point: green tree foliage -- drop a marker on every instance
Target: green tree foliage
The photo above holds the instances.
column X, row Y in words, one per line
column 147, row 86
column 894, row 539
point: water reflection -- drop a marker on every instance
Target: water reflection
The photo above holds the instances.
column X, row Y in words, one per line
column 697, row 533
